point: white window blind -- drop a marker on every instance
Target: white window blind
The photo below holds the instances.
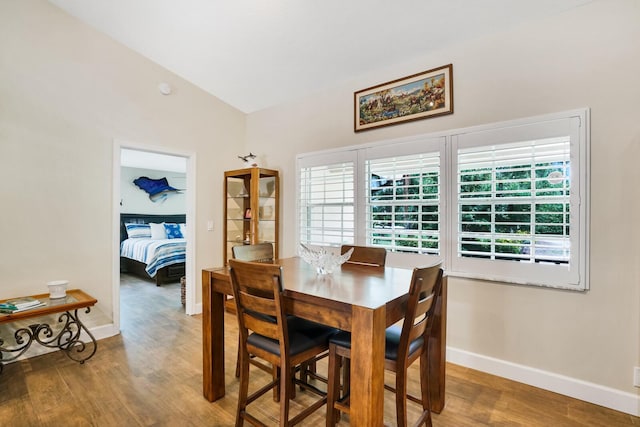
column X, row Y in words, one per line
column 326, row 204
column 403, row 203
column 513, row 201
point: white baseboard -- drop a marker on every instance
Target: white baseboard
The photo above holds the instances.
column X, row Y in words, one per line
column 198, row 308
column 589, row 392
column 104, row 331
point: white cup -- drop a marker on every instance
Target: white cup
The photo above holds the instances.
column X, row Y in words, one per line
column 57, row 288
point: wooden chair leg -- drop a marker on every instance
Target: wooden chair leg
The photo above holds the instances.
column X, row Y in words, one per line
column 305, row 369
column 238, row 360
column 276, row 390
column 311, row 367
column 286, row 383
column 346, row 377
column 304, row 374
column 309, row 371
column 425, row 417
column 243, row 391
column 401, row 397
column 333, row 386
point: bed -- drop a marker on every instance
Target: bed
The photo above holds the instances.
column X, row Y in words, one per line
column 159, row 259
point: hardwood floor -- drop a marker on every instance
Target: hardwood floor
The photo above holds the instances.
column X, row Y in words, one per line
column 151, row 375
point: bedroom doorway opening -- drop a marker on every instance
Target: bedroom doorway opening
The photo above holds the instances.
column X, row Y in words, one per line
column 153, row 188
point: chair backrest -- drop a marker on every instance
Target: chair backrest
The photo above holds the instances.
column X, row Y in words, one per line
column 261, row 252
column 257, row 290
column 423, row 293
column 367, row 255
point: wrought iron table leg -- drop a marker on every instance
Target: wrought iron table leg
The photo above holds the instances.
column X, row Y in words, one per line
column 68, row 339
column 23, row 338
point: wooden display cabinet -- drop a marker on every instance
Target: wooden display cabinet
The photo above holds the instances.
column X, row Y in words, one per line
column 251, row 208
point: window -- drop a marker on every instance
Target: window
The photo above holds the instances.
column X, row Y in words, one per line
column 513, row 201
column 327, row 203
column 517, row 194
column 403, row 203
column 520, row 197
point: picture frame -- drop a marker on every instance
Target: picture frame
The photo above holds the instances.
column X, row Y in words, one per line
column 418, row 96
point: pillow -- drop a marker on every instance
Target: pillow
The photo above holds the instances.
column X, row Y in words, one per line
column 138, row 231
column 173, row 231
column 157, row 231
column 183, row 229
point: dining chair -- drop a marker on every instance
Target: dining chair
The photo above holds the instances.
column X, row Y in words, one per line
column 260, row 252
column 263, row 252
column 404, row 344
column 366, row 255
column 265, row 331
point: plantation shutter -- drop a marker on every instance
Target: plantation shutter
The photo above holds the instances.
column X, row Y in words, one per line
column 513, row 201
column 326, row 203
column 403, row 203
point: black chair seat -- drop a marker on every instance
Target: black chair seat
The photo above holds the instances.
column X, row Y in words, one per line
column 306, row 335
column 392, row 336
column 342, row 338
column 392, row 341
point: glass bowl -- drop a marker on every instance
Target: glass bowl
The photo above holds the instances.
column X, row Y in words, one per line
column 324, row 261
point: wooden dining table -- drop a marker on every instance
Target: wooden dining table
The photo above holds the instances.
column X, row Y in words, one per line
column 361, row 299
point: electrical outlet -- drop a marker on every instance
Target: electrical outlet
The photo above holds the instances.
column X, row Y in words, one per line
column 636, row 376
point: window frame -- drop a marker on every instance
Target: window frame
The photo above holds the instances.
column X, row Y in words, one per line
column 447, row 142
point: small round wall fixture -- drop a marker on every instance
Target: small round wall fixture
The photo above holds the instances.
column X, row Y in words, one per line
column 164, row 88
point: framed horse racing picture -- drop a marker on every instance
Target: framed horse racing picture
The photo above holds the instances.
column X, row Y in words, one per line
column 419, row 96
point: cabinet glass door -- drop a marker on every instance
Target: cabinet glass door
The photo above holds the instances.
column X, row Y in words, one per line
column 251, row 208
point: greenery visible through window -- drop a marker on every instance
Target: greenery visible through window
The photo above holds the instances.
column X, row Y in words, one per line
column 403, row 203
column 514, row 201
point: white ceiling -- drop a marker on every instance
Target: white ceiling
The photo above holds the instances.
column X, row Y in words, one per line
column 255, row 54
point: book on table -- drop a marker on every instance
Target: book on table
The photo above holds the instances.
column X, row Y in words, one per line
column 20, row 304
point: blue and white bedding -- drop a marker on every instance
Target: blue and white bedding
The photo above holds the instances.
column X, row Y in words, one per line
column 155, row 253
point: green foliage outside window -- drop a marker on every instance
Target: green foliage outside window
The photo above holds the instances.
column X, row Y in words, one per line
column 509, row 208
column 406, row 212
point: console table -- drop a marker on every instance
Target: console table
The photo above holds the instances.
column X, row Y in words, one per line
column 67, row 339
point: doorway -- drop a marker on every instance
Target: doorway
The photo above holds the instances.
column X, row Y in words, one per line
column 130, row 157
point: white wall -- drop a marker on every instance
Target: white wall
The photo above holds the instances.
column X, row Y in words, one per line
column 135, row 200
column 589, row 57
column 66, row 93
